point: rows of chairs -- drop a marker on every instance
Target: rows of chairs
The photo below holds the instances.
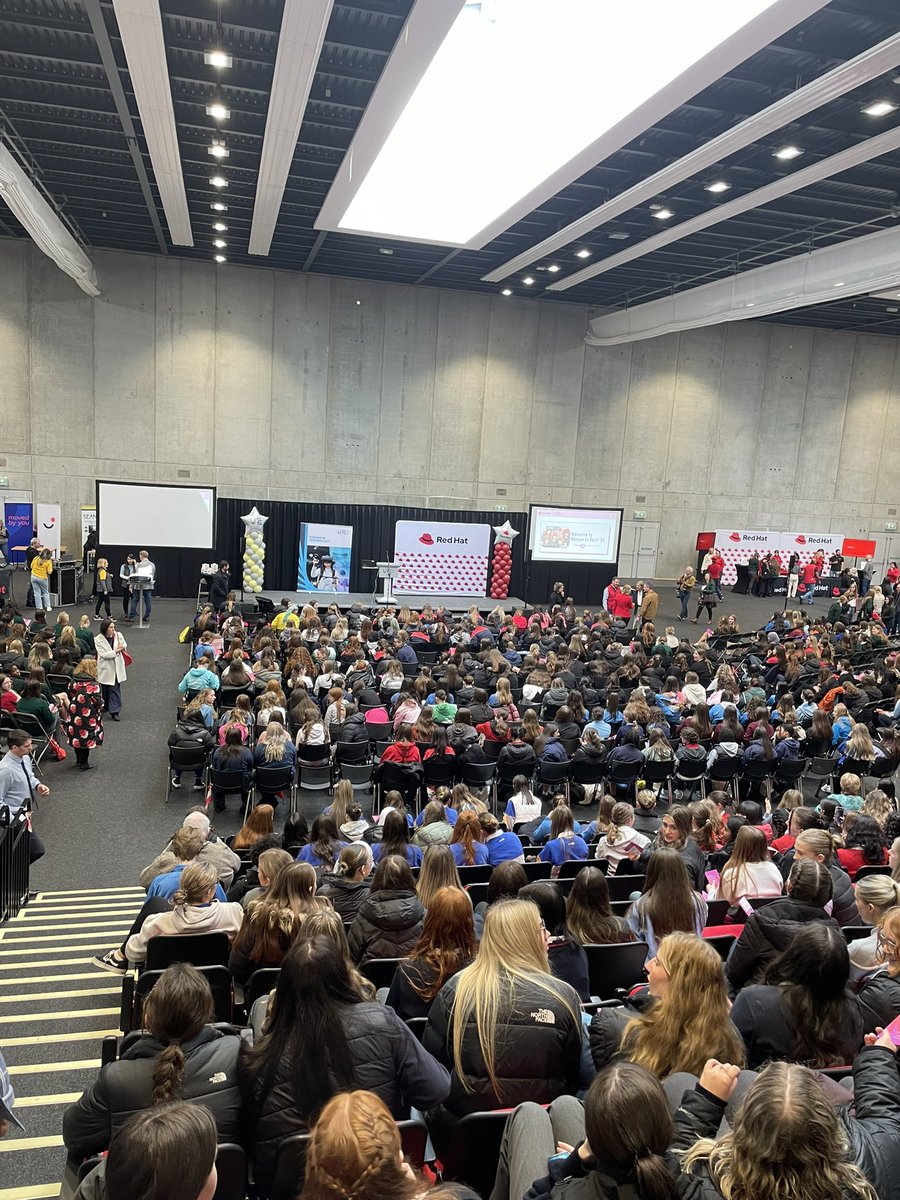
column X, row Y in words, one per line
column 29, row 724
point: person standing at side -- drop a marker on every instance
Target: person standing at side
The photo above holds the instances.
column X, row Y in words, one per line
column 220, row 585
column 19, row 786
column 4, row 539
column 145, row 570
column 716, row 567
column 685, row 584
column 41, row 570
column 125, row 572
column 102, row 586
column 793, row 575
column 110, row 646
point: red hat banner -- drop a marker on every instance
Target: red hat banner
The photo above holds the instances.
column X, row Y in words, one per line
column 501, row 562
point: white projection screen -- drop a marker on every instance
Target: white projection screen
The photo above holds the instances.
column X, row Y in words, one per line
column 143, row 515
column 588, row 535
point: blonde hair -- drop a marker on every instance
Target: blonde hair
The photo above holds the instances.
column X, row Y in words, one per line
column 786, row 1143
column 877, row 804
column 819, row 841
column 196, row 882
column 87, row 666
column 690, row 1022
column 512, row 950
column 881, row 892
column 622, row 814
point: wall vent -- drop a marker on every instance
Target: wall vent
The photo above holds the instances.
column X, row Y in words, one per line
column 184, row 474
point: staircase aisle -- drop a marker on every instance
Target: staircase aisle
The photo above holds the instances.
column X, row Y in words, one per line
column 54, row 1010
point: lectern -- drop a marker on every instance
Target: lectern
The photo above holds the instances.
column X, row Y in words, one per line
column 388, row 572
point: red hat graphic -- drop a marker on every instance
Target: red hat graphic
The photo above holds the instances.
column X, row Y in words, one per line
column 800, row 539
column 734, row 537
column 426, row 539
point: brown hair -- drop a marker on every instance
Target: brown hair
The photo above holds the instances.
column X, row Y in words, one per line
column 446, row 943
column 259, row 824
column 175, row 1011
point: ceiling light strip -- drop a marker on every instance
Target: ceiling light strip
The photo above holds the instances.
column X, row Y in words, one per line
column 303, row 26
column 863, row 265
column 42, row 224
column 140, row 27
column 871, row 148
column 845, row 78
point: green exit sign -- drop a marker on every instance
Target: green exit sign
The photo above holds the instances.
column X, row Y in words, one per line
column 502, row 507
column 890, row 526
column 4, row 481
column 640, row 514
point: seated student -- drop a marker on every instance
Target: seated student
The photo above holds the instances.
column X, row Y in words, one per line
column 526, row 1044
column 864, row 844
column 688, row 1022
column 214, row 850
column 502, row 846
column 323, row 1036
column 324, row 844
column 199, row 678
column 259, row 824
column 523, row 806
column 195, row 910
column 389, row 920
column 517, row 752
column 542, row 831
column 191, row 732
column 273, row 921
column 240, row 717
column 167, row 1152
column 33, row 703
column 805, row 1010
column 565, row 953
column 467, row 842
column 800, row 818
column 564, row 843
column 443, row 710
column 875, row 896
column 395, row 840
column 232, row 756
column 772, row 928
column 675, row 830
column 348, row 885
column 818, row 845
column 180, row 1055
column 749, row 872
column 446, row 945
column 620, row 838
column 274, row 747
column 554, row 749
column 186, row 846
column 668, row 903
column 588, row 914
column 646, row 820
column 268, row 863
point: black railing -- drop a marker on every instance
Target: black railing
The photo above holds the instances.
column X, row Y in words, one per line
column 15, row 847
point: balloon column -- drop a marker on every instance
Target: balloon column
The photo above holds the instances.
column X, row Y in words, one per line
column 254, row 551
column 501, row 563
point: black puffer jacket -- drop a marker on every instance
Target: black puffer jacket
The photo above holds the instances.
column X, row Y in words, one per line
column 537, row 1048
column 346, row 895
column 387, row 925
column 843, row 907
column 191, row 732
column 872, row 1133
column 387, row 1060
column 879, row 1000
column 354, row 729
column 125, row 1087
column 766, row 934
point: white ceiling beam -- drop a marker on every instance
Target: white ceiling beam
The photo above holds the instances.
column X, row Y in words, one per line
column 43, row 225
column 303, row 27
column 140, row 27
column 845, row 78
column 851, row 268
column 871, row 148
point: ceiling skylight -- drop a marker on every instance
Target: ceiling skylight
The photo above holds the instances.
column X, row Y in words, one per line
column 458, row 141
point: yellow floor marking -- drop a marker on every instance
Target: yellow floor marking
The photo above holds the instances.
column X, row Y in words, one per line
column 7, row 1145
column 111, row 891
column 54, row 928
column 30, row 996
column 35, row 1191
column 41, row 1101
column 47, row 962
column 96, row 975
column 74, row 1014
column 102, row 910
column 75, row 1064
column 100, row 939
column 88, row 1035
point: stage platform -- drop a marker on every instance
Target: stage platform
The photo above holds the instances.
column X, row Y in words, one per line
column 456, row 604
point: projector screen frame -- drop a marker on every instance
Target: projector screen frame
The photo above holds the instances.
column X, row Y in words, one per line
column 588, row 508
column 190, row 487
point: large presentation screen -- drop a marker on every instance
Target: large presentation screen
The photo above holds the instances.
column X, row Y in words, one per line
column 588, row 535
column 143, row 515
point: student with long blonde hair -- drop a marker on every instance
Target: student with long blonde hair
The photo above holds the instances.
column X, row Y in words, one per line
column 505, row 1027
column 688, row 1023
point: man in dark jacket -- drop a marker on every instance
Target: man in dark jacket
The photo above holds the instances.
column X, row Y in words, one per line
column 220, row 585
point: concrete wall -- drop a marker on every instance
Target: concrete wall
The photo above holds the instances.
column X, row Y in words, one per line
column 298, row 387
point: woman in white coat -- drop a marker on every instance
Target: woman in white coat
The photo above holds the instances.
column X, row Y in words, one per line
column 109, row 645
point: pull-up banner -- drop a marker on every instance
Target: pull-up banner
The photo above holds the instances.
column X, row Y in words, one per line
column 442, row 557
column 324, row 560
column 737, row 545
column 19, row 519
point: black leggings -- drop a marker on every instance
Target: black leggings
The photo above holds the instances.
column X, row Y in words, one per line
column 707, row 604
column 126, row 599
column 102, row 598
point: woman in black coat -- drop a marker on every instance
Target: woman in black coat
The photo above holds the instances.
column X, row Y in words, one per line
column 390, row 918
column 320, row 1037
column 772, row 928
column 348, row 886
column 180, row 1057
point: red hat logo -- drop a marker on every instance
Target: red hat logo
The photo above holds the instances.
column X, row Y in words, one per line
column 426, row 539
column 734, row 537
column 800, row 539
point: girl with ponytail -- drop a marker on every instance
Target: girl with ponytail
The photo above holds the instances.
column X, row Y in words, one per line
column 181, row 1056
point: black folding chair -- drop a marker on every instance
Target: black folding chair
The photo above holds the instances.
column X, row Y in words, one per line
column 229, row 783
column 613, row 969
column 185, row 758
column 554, row 775
column 658, row 773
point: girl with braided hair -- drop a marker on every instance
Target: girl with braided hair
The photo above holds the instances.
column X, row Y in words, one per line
column 181, row 1056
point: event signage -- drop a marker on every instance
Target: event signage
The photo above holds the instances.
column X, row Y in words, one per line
column 19, row 519
column 324, row 560
column 737, row 545
column 49, row 519
column 442, row 557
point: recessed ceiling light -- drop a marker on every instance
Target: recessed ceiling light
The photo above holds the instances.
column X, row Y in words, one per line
column 528, row 280
column 717, row 186
column 220, row 258
column 663, row 214
column 219, row 243
column 880, row 108
column 218, row 207
column 508, row 292
column 385, row 250
column 618, row 236
column 837, row 285
column 217, row 58
column 218, row 112
column 553, row 268
column 750, row 304
column 218, row 150
column 583, row 253
column 892, row 310
column 220, row 228
column 786, row 153
column 218, row 181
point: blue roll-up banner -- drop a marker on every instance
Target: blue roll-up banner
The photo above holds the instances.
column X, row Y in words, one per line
column 324, row 560
column 18, row 517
